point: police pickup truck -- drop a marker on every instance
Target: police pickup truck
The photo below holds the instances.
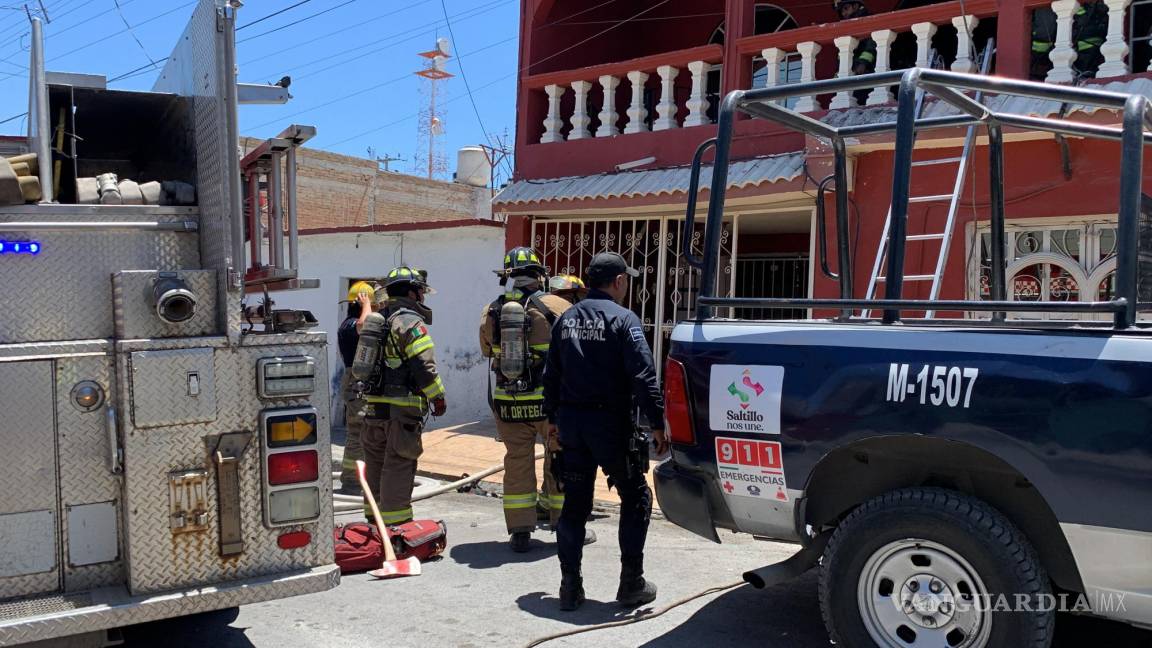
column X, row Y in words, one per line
column 956, row 480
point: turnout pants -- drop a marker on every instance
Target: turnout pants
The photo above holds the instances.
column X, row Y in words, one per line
column 594, row 439
column 355, row 425
column 391, row 449
column 520, row 475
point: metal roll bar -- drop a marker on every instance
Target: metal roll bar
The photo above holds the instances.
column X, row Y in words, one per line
column 948, row 87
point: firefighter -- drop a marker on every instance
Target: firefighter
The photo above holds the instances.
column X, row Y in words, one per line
column 1089, row 31
column 514, row 332
column 864, row 56
column 401, row 387
column 346, row 339
column 568, row 287
column 598, row 364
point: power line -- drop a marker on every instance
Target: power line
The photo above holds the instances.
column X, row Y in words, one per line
column 297, row 22
column 272, row 15
column 13, row 117
column 506, row 77
column 369, row 89
column 344, row 30
column 426, row 28
column 464, row 77
column 120, row 11
column 71, row 11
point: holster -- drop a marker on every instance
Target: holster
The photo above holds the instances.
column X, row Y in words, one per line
column 639, row 453
column 557, row 467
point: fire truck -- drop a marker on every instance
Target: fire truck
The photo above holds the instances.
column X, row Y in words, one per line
column 168, row 448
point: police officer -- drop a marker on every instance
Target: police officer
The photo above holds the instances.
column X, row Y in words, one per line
column 598, row 363
column 517, row 339
column 403, row 388
column 347, row 338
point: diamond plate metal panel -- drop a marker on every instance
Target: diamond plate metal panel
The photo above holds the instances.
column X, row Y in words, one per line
column 172, row 387
column 198, row 68
column 135, row 309
column 159, row 560
column 83, row 449
column 27, row 431
column 113, row 608
column 49, row 350
column 79, row 267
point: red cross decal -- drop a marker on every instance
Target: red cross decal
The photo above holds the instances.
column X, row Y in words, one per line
column 729, row 487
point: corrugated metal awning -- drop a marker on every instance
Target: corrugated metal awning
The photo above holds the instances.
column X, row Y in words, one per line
column 998, row 103
column 655, row 182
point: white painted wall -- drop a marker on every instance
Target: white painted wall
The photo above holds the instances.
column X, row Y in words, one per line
column 459, row 261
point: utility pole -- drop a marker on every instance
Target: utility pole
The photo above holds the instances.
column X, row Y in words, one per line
column 388, row 158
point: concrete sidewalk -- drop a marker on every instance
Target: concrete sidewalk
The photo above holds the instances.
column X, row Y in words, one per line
column 467, row 449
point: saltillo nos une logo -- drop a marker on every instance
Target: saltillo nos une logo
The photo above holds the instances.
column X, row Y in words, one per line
column 753, row 389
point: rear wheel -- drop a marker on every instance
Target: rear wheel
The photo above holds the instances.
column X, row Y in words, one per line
column 932, row 567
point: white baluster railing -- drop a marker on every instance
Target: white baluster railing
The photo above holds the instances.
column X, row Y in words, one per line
column 697, row 104
column 553, row 123
column 964, row 26
column 883, row 38
column 637, row 113
column 808, row 51
column 847, row 47
column 1062, row 54
column 608, row 114
column 666, row 109
column 1115, row 48
column 580, row 118
column 924, row 32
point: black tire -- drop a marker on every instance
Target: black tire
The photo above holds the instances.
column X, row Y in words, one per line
column 993, row 547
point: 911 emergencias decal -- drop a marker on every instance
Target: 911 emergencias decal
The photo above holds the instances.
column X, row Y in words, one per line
column 750, row 468
column 745, row 398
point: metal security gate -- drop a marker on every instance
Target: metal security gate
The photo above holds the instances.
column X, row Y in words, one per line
column 775, row 276
column 665, row 292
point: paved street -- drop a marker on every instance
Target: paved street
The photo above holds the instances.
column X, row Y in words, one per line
column 482, row 595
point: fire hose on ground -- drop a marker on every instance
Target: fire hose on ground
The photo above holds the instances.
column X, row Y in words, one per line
column 352, row 503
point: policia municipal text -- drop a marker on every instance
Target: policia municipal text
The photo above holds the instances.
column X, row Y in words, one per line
column 598, row 362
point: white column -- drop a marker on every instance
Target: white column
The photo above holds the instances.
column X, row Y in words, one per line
column 636, row 112
column 883, row 38
column 608, row 114
column 965, row 25
column 1115, row 48
column 772, row 58
column 553, row 123
column 846, row 45
column 924, row 32
column 1062, row 54
column 808, row 51
column 667, row 106
column 580, row 118
column 697, row 104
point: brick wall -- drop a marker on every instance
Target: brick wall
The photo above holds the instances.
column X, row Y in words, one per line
column 337, row 191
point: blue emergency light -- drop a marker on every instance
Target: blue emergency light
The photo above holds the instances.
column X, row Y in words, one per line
column 20, row 247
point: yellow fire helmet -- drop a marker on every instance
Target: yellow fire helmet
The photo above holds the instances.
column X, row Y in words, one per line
column 567, row 284
column 361, row 287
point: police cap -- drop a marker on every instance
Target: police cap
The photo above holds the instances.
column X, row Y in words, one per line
column 607, row 266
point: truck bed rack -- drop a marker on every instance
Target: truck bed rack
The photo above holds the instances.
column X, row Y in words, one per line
column 950, row 88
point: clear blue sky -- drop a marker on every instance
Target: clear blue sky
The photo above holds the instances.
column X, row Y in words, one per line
column 351, row 63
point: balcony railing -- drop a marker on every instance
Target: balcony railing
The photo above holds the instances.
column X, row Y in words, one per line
column 605, row 118
column 594, row 102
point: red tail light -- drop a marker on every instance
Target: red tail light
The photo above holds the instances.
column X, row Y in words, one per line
column 677, row 409
column 293, row 467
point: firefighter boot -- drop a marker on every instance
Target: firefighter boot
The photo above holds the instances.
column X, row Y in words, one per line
column 520, row 542
column 634, row 589
column 571, row 590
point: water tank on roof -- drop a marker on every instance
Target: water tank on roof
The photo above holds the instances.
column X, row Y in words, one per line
column 472, row 167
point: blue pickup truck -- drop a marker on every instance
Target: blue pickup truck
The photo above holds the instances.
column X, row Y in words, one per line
column 957, row 481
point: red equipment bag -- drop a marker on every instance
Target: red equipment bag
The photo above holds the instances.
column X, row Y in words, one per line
column 358, row 545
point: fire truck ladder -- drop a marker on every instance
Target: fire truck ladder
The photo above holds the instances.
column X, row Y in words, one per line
column 945, row 236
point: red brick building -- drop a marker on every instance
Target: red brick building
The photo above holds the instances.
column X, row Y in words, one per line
column 614, row 98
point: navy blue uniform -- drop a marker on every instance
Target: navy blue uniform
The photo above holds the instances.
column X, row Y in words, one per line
column 598, row 362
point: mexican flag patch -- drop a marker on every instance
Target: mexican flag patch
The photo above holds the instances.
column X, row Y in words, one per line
column 419, row 331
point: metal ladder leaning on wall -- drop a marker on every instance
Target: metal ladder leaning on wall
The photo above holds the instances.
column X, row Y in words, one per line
column 945, row 236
